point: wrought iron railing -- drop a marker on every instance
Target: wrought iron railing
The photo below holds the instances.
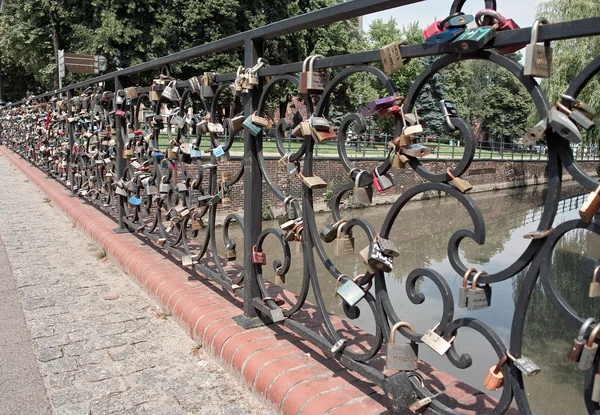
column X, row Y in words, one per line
column 103, row 150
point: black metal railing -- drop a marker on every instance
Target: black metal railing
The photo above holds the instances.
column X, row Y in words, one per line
column 168, row 184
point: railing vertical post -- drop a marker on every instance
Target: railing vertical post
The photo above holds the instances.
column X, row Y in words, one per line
column 120, row 160
column 71, row 132
column 252, row 196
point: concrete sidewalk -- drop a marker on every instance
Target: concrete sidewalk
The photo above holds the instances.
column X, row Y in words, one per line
column 80, row 338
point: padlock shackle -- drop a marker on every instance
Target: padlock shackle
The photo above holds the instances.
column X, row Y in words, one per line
column 311, row 63
column 452, row 176
column 584, row 327
column 370, row 283
column 500, row 364
column 340, row 225
column 337, row 283
column 397, row 326
column 563, row 108
column 593, row 335
column 535, row 27
column 467, row 275
column 596, row 273
column 443, row 22
column 475, row 278
column 501, row 20
column 357, row 178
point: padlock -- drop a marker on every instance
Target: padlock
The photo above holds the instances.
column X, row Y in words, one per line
column 344, row 243
column 258, row 257
column 461, row 184
column 302, row 130
column 580, row 105
column 563, row 126
column 290, row 212
column 579, row 341
column 436, row 342
column 218, row 151
column 472, row 40
column 524, row 364
column 384, row 180
column 538, row 234
column 415, row 150
column 313, row 182
column 135, row 201
column 590, row 207
column 444, row 36
column 494, row 380
column 215, row 128
column 463, row 293
column 400, row 161
column 237, row 122
column 131, row 92
column 577, row 117
column 187, row 261
column 311, row 81
column 535, row 133
column 391, row 57
column 120, row 191
column 401, row 356
column 170, row 92
column 329, row 232
column 538, row 58
column 361, row 195
column 254, row 129
column 350, row 292
column 595, row 285
column 479, row 298
column 588, row 354
column 377, row 260
column 410, row 130
column 387, row 247
column 231, row 252
column 282, row 162
column 380, row 103
column 432, row 30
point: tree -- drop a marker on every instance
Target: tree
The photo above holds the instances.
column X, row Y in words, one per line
column 570, row 56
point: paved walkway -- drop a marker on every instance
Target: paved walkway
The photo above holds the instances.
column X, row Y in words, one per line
column 78, row 337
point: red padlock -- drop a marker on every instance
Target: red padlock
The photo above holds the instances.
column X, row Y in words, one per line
column 432, row 30
column 376, row 183
column 258, row 257
column 388, row 112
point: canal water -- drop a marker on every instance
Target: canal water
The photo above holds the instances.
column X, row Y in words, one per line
column 421, row 233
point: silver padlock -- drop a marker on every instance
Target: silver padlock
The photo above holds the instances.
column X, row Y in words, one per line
column 524, row 364
column 535, row 133
column 588, row 354
column 479, row 298
column 361, row 195
column 463, row 293
column 436, row 342
column 538, row 58
column 563, row 126
column 351, row 293
column 403, row 356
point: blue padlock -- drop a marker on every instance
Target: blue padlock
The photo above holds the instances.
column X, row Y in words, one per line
column 444, row 36
column 135, row 201
column 195, row 154
column 254, row 129
column 218, row 151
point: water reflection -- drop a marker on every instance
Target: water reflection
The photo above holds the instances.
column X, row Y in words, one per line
column 421, row 233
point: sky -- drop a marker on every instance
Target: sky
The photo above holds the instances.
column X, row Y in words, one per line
column 521, row 11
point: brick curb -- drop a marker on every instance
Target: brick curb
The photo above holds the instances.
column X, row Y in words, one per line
column 288, row 371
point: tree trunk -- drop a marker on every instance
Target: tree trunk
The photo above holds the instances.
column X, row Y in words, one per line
column 55, row 46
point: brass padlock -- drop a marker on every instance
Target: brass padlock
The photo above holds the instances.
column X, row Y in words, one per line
column 313, row 182
column 494, row 380
column 410, row 130
column 302, row 130
column 437, row 342
column 231, row 252
column 590, row 207
column 461, row 184
column 588, row 354
column 401, row 356
column 391, row 57
column 595, row 285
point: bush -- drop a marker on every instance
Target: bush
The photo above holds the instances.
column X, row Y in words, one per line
column 267, row 211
